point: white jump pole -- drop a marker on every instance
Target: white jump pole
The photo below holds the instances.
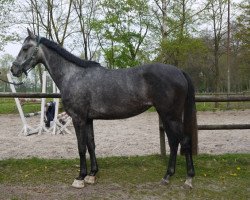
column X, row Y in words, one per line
column 19, row 107
column 27, row 130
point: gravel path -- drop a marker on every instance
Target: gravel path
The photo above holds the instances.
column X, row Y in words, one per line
column 134, row 136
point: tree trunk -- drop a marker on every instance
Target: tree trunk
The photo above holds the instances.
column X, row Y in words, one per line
column 216, row 66
column 164, row 20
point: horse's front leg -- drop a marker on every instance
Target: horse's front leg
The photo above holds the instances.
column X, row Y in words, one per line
column 91, row 177
column 81, row 134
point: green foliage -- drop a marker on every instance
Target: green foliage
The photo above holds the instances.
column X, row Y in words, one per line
column 123, row 30
column 243, row 25
column 241, row 35
column 5, row 63
column 6, row 60
column 180, row 51
column 6, row 35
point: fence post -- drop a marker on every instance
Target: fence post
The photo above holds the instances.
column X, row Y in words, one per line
column 43, row 104
column 162, row 138
column 56, row 100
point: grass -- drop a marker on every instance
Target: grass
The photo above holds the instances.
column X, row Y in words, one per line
column 217, row 177
column 8, row 106
column 210, row 106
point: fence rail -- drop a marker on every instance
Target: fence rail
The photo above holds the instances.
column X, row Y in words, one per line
column 198, row 98
column 222, row 98
column 29, row 95
column 223, row 126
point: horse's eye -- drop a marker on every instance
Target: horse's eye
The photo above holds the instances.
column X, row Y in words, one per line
column 25, row 48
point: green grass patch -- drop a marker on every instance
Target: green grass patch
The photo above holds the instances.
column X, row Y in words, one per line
column 217, row 177
column 210, row 106
column 8, row 106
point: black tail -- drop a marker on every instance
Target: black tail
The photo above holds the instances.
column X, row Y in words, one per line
column 190, row 120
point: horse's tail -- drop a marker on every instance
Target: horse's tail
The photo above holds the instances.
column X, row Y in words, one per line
column 190, row 120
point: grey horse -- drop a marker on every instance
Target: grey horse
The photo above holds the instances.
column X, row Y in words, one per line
column 90, row 91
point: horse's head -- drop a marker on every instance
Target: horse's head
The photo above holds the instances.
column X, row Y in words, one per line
column 28, row 56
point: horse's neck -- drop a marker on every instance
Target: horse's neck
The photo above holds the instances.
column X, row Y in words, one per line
column 58, row 67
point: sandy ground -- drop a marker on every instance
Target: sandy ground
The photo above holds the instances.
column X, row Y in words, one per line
column 134, row 136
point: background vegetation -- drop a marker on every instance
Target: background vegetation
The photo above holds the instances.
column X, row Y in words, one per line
column 191, row 34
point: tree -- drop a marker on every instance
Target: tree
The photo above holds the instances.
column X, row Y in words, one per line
column 122, row 31
column 5, row 62
column 216, row 18
column 50, row 17
column 6, row 34
column 241, row 45
column 160, row 13
column 86, row 12
column 178, row 43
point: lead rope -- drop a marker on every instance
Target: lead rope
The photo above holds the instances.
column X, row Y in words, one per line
column 13, row 83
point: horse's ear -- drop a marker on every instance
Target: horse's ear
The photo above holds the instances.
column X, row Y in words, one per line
column 31, row 35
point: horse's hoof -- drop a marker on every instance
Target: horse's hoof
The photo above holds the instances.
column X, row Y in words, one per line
column 164, row 181
column 188, row 183
column 90, row 179
column 78, row 184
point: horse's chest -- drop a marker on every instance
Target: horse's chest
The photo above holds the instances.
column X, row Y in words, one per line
column 73, row 102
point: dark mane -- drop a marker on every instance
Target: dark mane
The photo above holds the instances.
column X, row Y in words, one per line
column 67, row 55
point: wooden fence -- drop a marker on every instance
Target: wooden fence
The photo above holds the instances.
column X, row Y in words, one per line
column 199, row 98
column 209, row 98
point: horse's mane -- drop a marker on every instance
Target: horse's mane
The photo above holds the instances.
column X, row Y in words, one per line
column 67, row 55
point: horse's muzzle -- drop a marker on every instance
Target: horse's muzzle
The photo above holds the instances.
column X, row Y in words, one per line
column 16, row 71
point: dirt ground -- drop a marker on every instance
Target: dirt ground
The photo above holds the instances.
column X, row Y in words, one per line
column 134, row 136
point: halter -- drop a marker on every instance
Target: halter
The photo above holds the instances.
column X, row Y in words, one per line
column 32, row 57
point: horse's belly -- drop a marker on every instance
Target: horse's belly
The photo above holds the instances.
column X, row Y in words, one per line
column 118, row 111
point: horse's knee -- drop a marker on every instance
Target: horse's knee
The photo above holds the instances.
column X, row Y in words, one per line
column 186, row 146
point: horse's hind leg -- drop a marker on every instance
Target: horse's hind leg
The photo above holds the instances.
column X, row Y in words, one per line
column 187, row 151
column 173, row 129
